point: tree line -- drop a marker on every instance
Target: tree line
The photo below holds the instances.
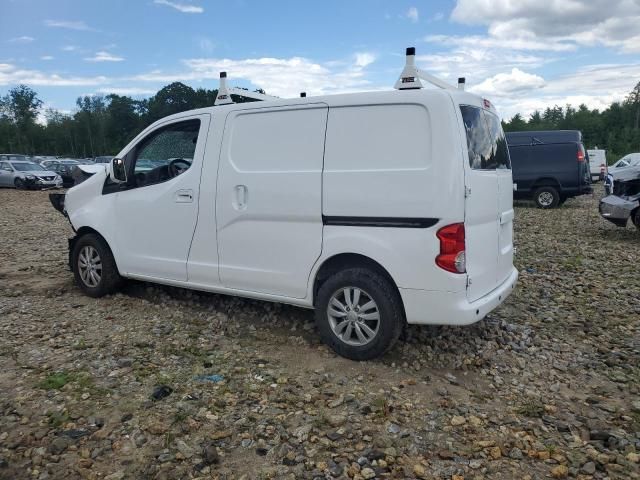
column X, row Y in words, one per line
column 102, row 125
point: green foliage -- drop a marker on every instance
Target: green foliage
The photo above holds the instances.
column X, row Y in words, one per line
column 55, row 381
column 616, row 129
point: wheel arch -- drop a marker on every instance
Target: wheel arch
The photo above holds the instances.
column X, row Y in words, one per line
column 342, row 261
column 547, row 182
column 86, row 230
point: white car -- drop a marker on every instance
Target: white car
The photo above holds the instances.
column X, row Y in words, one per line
column 376, row 209
column 629, row 160
column 24, row 175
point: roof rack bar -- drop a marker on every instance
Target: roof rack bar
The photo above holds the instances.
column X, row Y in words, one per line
column 225, row 92
column 411, row 77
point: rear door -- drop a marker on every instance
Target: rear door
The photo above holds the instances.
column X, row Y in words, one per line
column 489, row 202
column 502, row 164
column 269, row 208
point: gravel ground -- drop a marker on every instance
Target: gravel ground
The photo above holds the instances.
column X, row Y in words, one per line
column 545, row 387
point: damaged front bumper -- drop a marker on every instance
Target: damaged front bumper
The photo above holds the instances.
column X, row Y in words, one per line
column 618, row 209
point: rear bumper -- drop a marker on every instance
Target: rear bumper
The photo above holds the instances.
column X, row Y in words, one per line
column 616, row 209
column 452, row 308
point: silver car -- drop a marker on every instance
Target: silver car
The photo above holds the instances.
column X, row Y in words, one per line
column 22, row 174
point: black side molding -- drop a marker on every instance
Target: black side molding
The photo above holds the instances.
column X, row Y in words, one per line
column 389, row 222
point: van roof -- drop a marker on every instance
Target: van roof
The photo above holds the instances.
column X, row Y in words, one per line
column 350, row 99
column 544, row 136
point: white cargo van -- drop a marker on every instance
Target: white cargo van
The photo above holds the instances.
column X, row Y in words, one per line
column 597, row 163
column 376, row 209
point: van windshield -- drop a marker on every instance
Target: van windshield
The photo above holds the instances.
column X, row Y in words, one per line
column 486, row 142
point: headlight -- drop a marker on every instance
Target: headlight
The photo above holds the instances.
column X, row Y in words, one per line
column 58, row 178
column 30, row 177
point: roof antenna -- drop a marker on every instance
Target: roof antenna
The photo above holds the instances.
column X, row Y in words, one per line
column 411, row 76
column 303, row 94
column 461, row 82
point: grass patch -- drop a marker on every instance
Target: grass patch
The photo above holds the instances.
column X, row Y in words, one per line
column 531, row 409
column 381, row 407
column 55, row 381
column 57, row 419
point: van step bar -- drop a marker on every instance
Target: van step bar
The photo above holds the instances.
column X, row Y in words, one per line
column 411, row 78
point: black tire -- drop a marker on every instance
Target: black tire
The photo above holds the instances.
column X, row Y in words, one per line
column 19, row 184
column 635, row 218
column 377, row 288
column 546, row 197
column 109, row 280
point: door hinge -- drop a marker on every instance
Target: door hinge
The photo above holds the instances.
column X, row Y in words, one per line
column 467, row 192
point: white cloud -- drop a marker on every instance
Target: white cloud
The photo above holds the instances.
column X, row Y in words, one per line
column 69, row 48
column 612, row 23
column 284, row 77
column 181, row 7
column 22, row 39
column 413, row 14
column 364, row 58
column 12, row 75
column 597, row 86
column 104, row 57
column 68, row 24
column 46, row 57
column 508, row 84
column 131, row 91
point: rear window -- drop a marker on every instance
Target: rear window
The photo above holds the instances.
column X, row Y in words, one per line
column 486, row 142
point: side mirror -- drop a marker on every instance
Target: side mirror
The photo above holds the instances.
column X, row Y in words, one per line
column 118, row 170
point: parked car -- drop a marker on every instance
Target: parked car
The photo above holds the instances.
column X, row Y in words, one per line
column 549, row 166
column 15, row 156
column 356, row 205
column 623, row 197
column 629, row 160
column 597, row 163
column 103, row 159
column 21, row 174
column 65, row 170
column 59, row 161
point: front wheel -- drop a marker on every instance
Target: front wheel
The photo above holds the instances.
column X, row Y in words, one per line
column 359, row 314
column 94, row 267
column 19, row 184
column 546, row 197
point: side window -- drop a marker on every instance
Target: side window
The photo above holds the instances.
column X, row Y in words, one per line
column 5, row 166
column 165, row 153
column 478, row 140
column 500, row 151
column 486, row 142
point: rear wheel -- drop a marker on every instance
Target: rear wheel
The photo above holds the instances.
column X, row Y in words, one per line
column 546, row 197
column 19, row 183
column 359, row 314
column 94, row 267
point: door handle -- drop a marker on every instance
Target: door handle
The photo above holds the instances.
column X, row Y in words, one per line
column 184, row 196
column 241, row 197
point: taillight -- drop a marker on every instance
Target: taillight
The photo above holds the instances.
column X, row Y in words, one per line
column 580, row 155
column 452, row 255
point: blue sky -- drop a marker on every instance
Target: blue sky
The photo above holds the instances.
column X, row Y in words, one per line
column 520, row 53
